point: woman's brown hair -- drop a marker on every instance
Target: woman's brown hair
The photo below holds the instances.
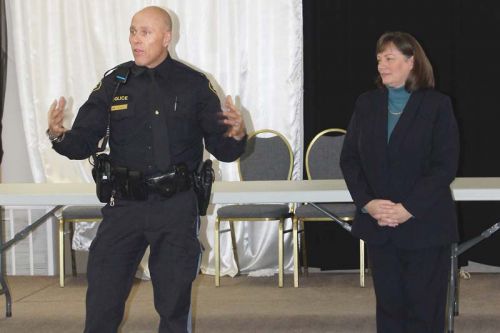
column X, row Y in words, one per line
column 421, row 76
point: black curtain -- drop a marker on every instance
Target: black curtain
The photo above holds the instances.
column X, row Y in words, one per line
column 461, row 39
column 3, row 67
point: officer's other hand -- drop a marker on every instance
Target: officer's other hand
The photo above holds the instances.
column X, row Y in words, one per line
column 234, row 120
column 56, row 117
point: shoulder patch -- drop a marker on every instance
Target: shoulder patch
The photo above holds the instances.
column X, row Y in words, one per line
column 211, row 87
column 98, row 86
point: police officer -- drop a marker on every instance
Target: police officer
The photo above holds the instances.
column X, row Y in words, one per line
column 159, row 117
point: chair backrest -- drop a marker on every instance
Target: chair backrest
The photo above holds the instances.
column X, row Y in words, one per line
column 268, row 156
column 323, row 155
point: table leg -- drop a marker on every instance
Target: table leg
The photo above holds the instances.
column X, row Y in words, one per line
column 4, row 246
column 452, row 288
column 3, row 284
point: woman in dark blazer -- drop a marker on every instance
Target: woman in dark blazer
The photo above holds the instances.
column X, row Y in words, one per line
column 399, row 157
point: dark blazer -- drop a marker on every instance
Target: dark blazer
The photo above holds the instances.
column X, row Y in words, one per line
column 414, row 168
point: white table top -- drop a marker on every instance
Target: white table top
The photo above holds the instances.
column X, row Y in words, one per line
column 18, row 194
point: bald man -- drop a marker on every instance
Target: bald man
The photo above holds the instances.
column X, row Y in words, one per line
column 160, row 114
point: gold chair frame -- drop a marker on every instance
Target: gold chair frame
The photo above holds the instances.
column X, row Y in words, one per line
column 231, row 221
column 62, row 223
column 300, row 222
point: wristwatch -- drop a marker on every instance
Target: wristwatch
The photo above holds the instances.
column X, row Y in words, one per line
column 54, row 138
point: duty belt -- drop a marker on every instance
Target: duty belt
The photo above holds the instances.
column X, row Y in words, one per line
column 123, row 183
column 132, row 185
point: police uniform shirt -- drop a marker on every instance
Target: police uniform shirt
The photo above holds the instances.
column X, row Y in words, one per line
column 172, row 98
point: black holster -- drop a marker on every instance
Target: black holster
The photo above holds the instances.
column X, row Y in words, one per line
column 103, row 177
column 202, row 184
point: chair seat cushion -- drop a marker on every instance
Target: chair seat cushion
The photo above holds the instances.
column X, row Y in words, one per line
column 342, row 210
column 271, row 211
column 82, row 212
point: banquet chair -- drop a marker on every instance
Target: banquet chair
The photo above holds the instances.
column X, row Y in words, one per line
column 268, row 156
column 323, row 162
column 71, row 215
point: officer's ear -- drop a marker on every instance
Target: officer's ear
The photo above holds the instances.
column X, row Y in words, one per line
column 167, row 37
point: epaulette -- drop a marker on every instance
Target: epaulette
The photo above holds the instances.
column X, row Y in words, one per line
column 127, row 64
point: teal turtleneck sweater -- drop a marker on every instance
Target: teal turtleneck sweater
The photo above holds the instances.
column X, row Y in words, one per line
column 398, row 97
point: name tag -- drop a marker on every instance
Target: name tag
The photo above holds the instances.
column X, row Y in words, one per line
column 119, row 107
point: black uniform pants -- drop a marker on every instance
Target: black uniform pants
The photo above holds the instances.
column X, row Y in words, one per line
column 410, row 288
column 170, row 227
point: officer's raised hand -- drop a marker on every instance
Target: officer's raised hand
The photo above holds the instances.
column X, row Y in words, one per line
column 234, row 120
column 55, row 119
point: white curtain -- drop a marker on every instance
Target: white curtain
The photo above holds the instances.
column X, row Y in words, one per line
column 251, row 50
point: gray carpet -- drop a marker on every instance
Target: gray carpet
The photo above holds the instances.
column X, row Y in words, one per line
column 325, row 302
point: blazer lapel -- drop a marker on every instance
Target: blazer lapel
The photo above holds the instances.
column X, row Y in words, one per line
column 405, row 121
column 380, row 119
column 379, row 137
